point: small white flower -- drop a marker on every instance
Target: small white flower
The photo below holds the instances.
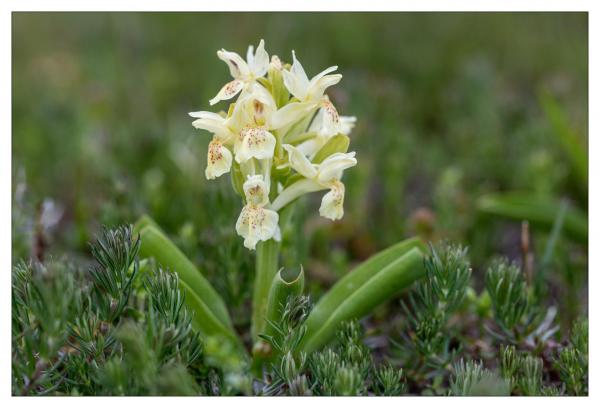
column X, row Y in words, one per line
column 301, row 87
column 218, row 161
column 326, row 128
column 324, row 131
column 310, row 94
column 245, row 129
column 243, row 72
column 256, row 190
column 322, row 176
column 257, row 105
column 332, row 167
column 224, row 128
column 257, row 223
column 332, row 204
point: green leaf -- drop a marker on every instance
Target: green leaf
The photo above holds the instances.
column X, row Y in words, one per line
column 237, row 179
column 336, row 144
column 369, row 285
column 285, row 284
column 144, row 221
column 539, row 211
column 355, row 279
column 210, row 314
column 267, row 260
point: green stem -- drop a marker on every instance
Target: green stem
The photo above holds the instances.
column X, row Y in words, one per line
column 267, row 261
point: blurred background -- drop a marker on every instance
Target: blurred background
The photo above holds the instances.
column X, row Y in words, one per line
column 450, row 107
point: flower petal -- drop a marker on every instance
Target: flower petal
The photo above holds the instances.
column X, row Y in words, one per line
column 277, row 234
column 299, row 162
column 291, row 113
column 218, row 160
column 322, row 74
column 276, row 63
column 237, row 66
column 347, row 123
column 256, row 190
column 299, row 72
column 228, row 91
column 332, row 204
column 296, row 80
column 294, row 191
column 332, row 167
column 311, row 146
column 211, row 122
column 260, row 61
column 317, row 89
column 254, row 142
column 256, row 224
column 258, row 104
column 331, row 119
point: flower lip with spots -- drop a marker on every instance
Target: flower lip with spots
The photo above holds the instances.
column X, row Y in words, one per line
column 256, row 222
column 218, row 160
column 254, row 142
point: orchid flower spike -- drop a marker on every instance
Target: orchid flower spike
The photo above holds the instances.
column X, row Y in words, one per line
column 279, row 122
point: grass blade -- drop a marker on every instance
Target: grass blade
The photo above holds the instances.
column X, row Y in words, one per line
column 540, row 211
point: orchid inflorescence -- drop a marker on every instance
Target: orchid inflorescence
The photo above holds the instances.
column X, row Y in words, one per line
column 280, row 139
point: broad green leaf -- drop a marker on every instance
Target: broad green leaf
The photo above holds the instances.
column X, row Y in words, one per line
column 362, row 299
column 267, row 261
column 539, row 211
column 144, row 221
column 210, row 317
column 156, row 244
column 354, row 280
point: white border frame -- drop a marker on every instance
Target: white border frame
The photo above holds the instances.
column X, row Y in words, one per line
column 8, row 6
